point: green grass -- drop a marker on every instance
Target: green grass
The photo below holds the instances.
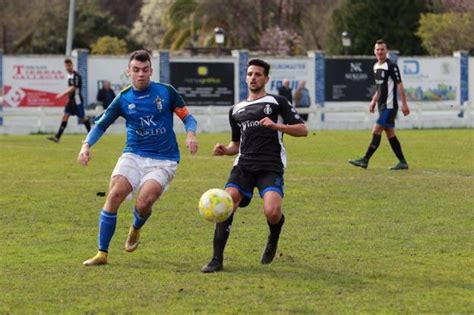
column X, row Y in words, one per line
column 355, row 241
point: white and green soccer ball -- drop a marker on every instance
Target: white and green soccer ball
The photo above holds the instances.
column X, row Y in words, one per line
column 215, row 205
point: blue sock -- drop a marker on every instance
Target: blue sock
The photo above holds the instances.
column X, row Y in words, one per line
column 138, row 220
column 107, row 223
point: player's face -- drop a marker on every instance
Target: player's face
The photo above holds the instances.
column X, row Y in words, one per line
column 69, row 68
column 256, row 79
column 380, row 51
column 140, row 74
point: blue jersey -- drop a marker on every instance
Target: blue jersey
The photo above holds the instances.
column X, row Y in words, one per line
column 149, row 120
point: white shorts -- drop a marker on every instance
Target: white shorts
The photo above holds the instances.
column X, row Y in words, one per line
column 139, row 169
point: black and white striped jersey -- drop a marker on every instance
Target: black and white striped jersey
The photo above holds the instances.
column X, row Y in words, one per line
column 387, row 76
column 261, row 148
column 75, row 79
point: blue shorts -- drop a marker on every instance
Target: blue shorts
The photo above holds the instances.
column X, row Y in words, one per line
column 74, row 109
column 387, row 118
column 245, row 181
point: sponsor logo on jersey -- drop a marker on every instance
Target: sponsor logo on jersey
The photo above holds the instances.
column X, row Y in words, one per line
column 250, row 124
column 267, row 110
column 159, row 104
column 131, row 108
column 147, row 121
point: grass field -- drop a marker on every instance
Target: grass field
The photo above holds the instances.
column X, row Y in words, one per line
column 355, row 241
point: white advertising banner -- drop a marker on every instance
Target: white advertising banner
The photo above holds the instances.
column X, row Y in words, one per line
column 34, row 81
column 431, row 79
column 292, row 69
column 471, row 80
column 100, row 69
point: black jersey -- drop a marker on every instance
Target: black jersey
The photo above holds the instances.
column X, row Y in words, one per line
column 74, row 79
column 261, row 148
column 387, row 76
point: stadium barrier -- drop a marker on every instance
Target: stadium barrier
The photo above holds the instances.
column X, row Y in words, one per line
column 333, row 116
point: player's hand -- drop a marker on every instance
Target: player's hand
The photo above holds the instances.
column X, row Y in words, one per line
column 372, row 107
column 191, row 143
column 84, row 155
column 219, row 149
column 268, row 123
column 58, row 96
column 405, row 110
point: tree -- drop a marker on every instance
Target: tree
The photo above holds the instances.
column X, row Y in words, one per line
column 46, row 32
column 280, row 42
column 108, row 45
column 150, row 26
column 368, row 20
column 441, row 34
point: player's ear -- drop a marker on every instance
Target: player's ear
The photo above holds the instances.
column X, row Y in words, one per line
column 267, row 79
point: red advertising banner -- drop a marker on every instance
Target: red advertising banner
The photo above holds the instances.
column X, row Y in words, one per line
column 34, row 81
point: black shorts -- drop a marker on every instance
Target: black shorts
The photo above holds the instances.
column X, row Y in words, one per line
column 74, row 109
column 245, row 181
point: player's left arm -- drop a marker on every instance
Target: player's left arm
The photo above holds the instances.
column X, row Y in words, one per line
column 403, row 97
column 293, row 124
column 397, row 78
column 296, row 130
column 190, row 124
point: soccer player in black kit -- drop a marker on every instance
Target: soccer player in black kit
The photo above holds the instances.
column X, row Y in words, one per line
column 258, row 125
column 74, row 106
column 387, row 80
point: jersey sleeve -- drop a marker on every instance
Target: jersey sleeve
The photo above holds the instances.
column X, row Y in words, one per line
column 176, row 99
column 288, row 112
column 394, row 73
column 235, row 129
column 110, row 114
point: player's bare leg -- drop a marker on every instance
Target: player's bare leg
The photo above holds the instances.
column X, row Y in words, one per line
column 272, row 208
column 149, row 193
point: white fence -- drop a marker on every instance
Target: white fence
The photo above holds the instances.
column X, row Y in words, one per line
column 334, row 116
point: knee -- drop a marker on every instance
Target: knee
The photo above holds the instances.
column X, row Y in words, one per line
column 144, row 204
column 115, row 197
column 273, row 214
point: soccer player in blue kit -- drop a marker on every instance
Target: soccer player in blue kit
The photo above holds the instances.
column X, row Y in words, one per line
column 258, row 125
column 151, row 153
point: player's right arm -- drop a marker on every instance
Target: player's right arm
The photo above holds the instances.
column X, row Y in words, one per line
column 231, row 149
column 102, row 123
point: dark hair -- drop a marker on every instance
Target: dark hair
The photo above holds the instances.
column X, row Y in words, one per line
column 67, row 60
column 260, row 63
column 140, row 55
column 381, row 42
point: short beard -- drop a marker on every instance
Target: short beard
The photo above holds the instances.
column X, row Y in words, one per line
column 256, row 90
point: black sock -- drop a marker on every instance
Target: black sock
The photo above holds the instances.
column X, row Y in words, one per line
column 221, row 234
column 275, row 229
column 397, row 148
column 61, row 129
column 373, row 146
column 87, row 123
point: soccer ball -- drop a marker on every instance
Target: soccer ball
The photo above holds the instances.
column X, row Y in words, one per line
column 215, row 205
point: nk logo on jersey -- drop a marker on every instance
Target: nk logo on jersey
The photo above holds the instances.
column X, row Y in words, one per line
column 147, row 121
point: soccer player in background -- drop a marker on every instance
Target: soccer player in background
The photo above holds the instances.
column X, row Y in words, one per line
column 151, row 153
column 258, row 125
column 387, row 81
column 74, row 106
